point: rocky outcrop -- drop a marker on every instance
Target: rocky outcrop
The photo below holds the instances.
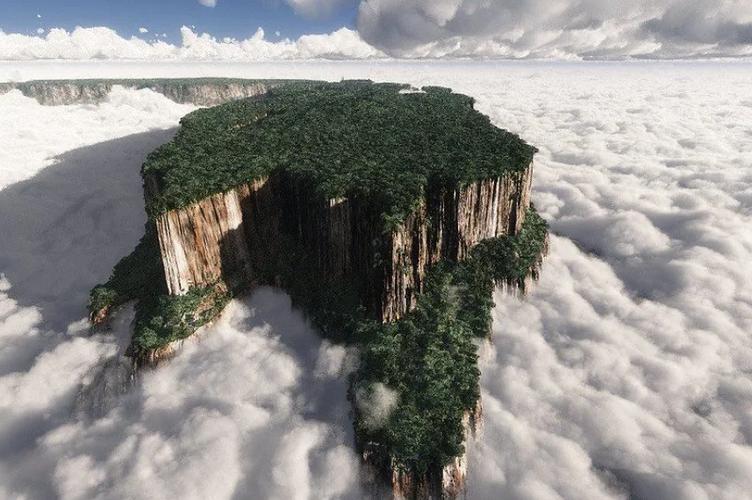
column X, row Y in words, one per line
column 201, row 92
column 437, row 483
column 227, row 236
column 201, row 244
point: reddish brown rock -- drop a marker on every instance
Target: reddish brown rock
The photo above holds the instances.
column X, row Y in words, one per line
column 220, row 237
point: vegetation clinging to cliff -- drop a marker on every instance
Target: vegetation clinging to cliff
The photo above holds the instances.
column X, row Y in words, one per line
column 361, row 139
column 381, row 147
column 137, row 275
column 430, row 356
column 162, row 319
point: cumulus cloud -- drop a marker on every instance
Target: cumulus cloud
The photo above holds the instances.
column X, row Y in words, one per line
column 625, row 374
column 143, row 30
column 229, row 414
column 341, row 44
column 105, row 43
column 559, row 29
column 29, row 149
column 208, row 3
column 562, row 29
column 697, row 21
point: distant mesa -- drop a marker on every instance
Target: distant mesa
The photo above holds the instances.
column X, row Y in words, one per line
column 198, row 91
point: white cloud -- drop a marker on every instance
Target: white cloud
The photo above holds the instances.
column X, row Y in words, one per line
column 625, row 372
column 29, row 148
column 227, row 413
column 560, row 29
column 104, row 43
column 143, row 30
column 81, row 43
column 564, row 29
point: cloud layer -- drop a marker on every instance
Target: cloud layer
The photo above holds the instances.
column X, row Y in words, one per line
column 627, row 371
column 558, row 29
column 259, row 406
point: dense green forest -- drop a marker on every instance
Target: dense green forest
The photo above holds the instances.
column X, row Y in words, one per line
column 356, row 138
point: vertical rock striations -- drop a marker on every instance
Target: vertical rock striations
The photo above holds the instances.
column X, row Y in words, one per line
column 447, row 225
column 436, row 483
column 224, row 238
column 217, row 238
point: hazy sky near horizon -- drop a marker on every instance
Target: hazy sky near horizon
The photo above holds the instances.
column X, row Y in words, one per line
column 354, row 29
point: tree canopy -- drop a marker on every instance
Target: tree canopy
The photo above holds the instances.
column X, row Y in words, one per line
column 381, row 142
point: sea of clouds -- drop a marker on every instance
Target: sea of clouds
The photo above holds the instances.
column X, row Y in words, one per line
column 627, row 372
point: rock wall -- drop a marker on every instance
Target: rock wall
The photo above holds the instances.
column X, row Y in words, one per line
column 436, row 483
column 227, row 235
column 198, row 92
column 201, row 243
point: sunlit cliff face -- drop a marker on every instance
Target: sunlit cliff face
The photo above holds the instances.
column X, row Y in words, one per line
column 625, row 372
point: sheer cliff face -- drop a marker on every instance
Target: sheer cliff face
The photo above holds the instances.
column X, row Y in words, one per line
column 227, row 236
column 463, row 217
column 202, row 243
column 89, row 92
column 446, row 482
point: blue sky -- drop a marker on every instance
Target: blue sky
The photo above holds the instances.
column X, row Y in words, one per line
column 233, row 18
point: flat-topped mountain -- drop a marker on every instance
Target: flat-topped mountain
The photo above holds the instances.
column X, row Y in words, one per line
column 388, row 213
column 198, row 91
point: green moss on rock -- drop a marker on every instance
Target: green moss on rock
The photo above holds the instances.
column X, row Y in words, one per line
column 163, row 319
